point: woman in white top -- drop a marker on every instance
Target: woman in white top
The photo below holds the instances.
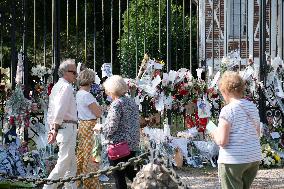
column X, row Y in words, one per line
column 88, row 112
column 237, row 135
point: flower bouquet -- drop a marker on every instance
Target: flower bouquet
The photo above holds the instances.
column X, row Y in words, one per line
column 270, row 157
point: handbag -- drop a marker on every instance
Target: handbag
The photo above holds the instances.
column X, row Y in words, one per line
column 118, row 150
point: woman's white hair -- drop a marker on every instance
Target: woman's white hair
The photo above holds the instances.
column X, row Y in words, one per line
column 115, row 85
column 63, row 67
column 86, row 77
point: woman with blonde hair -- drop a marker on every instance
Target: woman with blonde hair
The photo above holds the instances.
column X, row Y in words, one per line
column 121, row 125
column 88, row 112
column 237, row 135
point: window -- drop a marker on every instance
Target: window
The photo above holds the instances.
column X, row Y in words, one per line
column 236, row 16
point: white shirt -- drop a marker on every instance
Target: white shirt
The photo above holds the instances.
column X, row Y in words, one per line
column 62, row 103
column 84, row 99
column 244, row 144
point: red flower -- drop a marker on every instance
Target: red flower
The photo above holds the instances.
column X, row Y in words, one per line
column 27, row 123
column 156, row 73
column 189, row 122
column 194, row 101
column 214, row 95
column 196, row 117
column 11, row 120
column 210, row 90
column 203, row 121
column 201, row 129
column 202, row 124
column 181, row 89
column 183, row 92
column 49, row 88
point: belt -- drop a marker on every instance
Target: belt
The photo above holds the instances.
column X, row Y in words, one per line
column 70, row 121
column 67, row 121
column 88, row 120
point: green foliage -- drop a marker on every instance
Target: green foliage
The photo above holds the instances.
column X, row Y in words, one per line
column 148, row 35
column 68, row 48
column 148, row 14
column 9, row 185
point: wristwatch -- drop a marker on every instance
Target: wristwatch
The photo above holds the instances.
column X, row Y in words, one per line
column 56, row 130
column 55, row 127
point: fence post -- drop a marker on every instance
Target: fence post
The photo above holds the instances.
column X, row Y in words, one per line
column 13, row 45
column 169, row 113
column 26, row 67
column 262, row 59
column 57, row 39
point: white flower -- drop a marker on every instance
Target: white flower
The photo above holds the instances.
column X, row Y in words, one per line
column 273, row 162
column 49, row 71
column 40, row 71
column 189, row 76
column 10, row 137
column 225, row 60
column 26, row 158
column 276, row 62
column 165, row 80
column 266, row 161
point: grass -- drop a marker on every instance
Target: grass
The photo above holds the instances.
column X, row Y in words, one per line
column 14, row 185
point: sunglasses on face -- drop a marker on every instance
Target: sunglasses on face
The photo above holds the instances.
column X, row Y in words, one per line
column 74, row 72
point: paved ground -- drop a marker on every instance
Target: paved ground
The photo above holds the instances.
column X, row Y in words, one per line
column 207, row 178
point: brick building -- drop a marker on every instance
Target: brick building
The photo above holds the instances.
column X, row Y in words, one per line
column 228, row 25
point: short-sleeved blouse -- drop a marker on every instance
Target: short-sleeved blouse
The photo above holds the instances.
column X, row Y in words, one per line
column 83, row 100
column 244, row 144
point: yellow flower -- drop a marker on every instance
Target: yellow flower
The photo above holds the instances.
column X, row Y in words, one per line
column 277, row 157
column 162, row 62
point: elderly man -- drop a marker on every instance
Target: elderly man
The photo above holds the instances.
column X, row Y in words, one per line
column 62, row 120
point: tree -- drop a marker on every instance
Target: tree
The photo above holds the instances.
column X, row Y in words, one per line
column 148, row 13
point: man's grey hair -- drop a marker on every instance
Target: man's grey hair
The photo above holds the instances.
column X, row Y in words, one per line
column 64, row 66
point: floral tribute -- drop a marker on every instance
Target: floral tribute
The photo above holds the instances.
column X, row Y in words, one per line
column 17, row 112
column 40, row 71
column 178, row 91
column 195, row 99
column 270, row 157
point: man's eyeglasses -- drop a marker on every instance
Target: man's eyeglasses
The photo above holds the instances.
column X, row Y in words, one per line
column 74, row 72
